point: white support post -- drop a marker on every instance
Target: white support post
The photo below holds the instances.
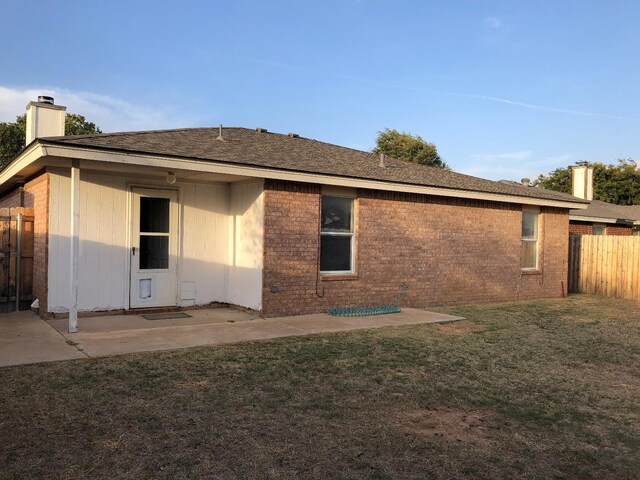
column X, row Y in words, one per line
column 75, row 246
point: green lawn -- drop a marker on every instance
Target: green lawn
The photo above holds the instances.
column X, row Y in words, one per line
column 546, row 389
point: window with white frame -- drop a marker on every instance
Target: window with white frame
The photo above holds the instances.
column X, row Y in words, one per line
column 530, row 242
column 336, row 234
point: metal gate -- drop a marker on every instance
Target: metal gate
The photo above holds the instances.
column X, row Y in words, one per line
column 16, row 277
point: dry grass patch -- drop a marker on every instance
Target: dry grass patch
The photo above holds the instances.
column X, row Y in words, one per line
column 547, row 389
column 459, row 328
column 472, row 427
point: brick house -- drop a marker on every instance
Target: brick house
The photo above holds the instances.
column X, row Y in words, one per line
column 599, row 218
column 277, row 223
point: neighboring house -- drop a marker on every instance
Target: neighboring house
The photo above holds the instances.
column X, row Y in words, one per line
column 277, row 223
column 600, row 218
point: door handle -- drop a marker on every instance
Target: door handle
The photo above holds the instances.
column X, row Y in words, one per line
column 133, row 250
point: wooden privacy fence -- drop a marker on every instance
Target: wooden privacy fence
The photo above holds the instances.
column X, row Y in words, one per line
column 605, row 265
column 16, row 255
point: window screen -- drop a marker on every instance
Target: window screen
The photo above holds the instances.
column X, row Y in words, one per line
column 529, row 249
column 336, row 235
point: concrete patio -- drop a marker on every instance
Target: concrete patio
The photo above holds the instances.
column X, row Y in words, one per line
column 25, row 338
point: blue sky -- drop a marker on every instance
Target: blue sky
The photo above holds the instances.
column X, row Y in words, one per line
column 505, row 89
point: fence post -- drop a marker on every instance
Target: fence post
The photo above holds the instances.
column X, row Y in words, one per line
column 18, row 260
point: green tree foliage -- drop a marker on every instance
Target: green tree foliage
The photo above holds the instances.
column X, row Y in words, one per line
column 617, row 183
column 75, row 124
column 407, row 147
column 12, row 134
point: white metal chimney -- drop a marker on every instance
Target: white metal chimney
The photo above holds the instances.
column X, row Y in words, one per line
column 44, row 119
column 582, row 182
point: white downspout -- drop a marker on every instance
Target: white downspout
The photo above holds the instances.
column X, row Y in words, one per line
column 75, row 246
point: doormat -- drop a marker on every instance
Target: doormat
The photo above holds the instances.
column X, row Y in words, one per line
column 165, row 316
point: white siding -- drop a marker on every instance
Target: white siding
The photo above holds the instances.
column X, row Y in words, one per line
column 204, row 243
column 104, row 243
column 59, row 231
column 246, row 222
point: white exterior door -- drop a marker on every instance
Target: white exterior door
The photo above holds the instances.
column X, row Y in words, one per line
column 154, row 248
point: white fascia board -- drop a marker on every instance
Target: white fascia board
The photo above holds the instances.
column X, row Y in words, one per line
column 174, row 163
column 619, row 221
column 30, row 155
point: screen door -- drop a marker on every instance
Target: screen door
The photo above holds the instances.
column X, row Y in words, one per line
column 154, row 249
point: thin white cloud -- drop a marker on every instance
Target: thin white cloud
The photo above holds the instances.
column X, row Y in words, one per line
column 493, row 22
column 109, row 113
column 502, row 157
column 514, row 165
column 424, row 90
column 561, row 160
column 498, row 172
column 542, row 107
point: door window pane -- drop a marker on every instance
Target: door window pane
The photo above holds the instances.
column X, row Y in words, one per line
column 154, row 215
column 335, row 253
column 154, row 252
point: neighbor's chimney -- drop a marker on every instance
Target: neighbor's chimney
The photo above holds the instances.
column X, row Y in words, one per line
column 582, row 181
column 44, row 119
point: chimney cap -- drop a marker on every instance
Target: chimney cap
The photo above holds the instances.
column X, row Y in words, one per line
column 45, row 99
column 525, row 182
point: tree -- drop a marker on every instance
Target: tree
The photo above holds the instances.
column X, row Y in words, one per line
column 617, row 183
column 407, row 147
column 12, row 134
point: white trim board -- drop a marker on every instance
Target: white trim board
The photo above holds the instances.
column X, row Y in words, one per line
column 185, row 164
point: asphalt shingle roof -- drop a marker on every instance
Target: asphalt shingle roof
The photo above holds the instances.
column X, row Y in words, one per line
column 248, row 147
column 598, row 209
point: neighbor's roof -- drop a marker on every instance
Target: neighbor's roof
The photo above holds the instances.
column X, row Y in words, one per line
column 246, row 147
column 608, row 211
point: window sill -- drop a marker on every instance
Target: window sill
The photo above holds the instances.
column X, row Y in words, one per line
column 530, row 272
column 337, row 277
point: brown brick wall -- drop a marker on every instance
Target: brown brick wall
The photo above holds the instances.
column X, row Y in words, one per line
column 12, row 199
column 585, row 228
column 35, row 194
column 449, row 251
column 618, row 230
column 578, row 228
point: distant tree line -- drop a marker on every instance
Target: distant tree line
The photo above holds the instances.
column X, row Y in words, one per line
column 617, row 183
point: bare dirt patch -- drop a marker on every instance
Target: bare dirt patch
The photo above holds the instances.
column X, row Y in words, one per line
column 194, row 384
column 459, row 328
column 467, row 426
